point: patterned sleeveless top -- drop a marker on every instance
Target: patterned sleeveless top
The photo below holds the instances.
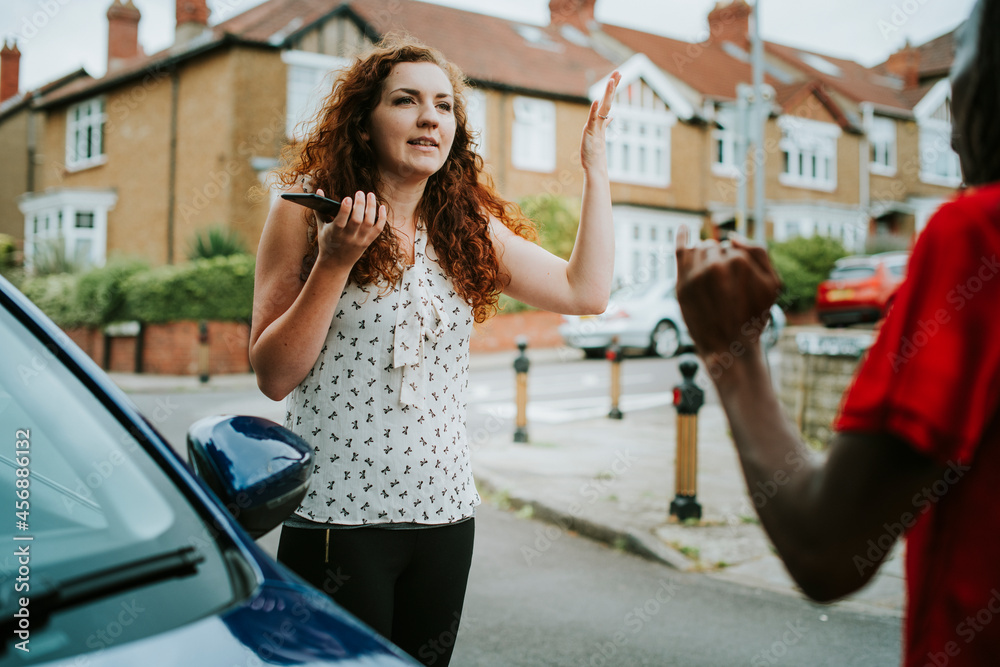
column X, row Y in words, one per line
column 385, row 404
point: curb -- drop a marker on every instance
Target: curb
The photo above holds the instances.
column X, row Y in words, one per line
column 639, row 544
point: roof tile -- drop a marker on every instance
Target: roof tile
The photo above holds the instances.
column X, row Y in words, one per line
column 706, row 67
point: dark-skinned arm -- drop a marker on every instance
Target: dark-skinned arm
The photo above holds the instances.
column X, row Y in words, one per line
column 820, row 512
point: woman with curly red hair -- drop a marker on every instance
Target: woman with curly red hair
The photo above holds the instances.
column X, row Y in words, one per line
column 363, row 321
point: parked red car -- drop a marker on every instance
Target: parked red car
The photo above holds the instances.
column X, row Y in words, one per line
column 860, row 288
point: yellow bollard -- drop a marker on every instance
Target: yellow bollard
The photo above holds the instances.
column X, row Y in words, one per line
column 521, row 369
column 688, row 398
column 203, row 356
column 614, row 355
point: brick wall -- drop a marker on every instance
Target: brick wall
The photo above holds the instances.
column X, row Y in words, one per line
column 500, row 333
column 173, row 349
column 121, row 354
column 817, row 366
column 89, row 340
column 170, row 349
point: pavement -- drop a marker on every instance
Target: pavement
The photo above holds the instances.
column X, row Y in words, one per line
column 612, row 480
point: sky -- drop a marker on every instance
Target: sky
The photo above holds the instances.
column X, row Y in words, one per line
column 57, row 37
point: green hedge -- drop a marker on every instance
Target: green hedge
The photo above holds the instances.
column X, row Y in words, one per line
column 94, row 298
column 220, row 288
column 57, row 296
column 558, row 219
column 803, row 263
column 102, row 291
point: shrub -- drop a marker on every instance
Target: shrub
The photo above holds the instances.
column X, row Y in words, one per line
column 94, row 298
column 557, row 218
column 8, row 248
column 56, row 296
column 508, row 305
column 217, row 241
column 803, row 263
column 50, row 258
column 213, row 289
column 101, row 291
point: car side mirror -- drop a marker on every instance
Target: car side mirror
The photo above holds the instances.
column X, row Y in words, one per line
column 257, row 468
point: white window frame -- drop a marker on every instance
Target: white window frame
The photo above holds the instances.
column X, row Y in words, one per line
column 475, row 111
column 811, row 145
column 309, row 78
column 85, row 140
column 51, row 217
column 939, row 164
column 724, row 136
column 882, row 146
column 645, row 243
column 807, row 220
column 638, row 142
column 533, row 137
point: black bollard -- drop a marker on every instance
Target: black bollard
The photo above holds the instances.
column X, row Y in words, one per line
column 688, row 398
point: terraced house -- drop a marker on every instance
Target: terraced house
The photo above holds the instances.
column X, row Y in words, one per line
column 163, row 145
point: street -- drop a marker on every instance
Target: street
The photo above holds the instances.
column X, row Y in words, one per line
column 558, row 391
column 540, row 595
column 581, row 603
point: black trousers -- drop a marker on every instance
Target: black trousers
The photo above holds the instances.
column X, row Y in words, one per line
column 408, row 585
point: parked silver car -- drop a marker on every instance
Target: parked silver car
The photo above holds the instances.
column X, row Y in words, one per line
column 646, row 317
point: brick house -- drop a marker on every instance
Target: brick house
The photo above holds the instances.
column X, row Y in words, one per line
column 19, row 129
column 137, row 162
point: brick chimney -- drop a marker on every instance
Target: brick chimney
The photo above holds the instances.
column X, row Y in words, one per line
column 123, row 33
column 10, row 71
column 905, row 64
column 577, row 13
column 192, row 20
column 730, row 22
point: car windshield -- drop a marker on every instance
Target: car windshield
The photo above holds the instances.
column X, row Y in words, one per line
column 90, row 499
column 852, row 272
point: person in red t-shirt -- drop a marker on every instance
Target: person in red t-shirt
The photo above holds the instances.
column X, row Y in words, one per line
column 917, row 444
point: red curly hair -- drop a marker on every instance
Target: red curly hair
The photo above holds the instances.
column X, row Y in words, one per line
column 457, row 202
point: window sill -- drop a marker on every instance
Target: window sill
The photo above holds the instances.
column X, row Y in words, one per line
column 635, row 180
column 537, row 169
column 943, row 181
column 86, row 164
column 793, row 182
column 725, row 170
column 881, row 169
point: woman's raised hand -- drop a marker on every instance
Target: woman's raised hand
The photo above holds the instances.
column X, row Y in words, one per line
column 593, row 148
column 345, row 237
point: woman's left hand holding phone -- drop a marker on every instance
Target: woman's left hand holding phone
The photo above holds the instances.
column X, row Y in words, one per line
column 345, row 237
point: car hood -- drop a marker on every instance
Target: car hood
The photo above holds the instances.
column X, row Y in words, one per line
column 280, row 624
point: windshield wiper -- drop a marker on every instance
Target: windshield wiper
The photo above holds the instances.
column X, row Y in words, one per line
column 55, row 595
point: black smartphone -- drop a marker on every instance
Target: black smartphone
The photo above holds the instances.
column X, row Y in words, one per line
column 324, row 205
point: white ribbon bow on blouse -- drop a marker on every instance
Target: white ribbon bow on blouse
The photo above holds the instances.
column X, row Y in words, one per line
column 420, row 316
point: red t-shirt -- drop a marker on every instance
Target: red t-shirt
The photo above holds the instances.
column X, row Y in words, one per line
column 932, row 378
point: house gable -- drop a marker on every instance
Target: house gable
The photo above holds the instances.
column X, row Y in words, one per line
column 639, row 68
column 933, row 104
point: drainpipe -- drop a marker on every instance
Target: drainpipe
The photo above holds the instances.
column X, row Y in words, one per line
column 865, row 185
column 175, row 83
column 760, row 123
column 743, row 95
column 32, row 149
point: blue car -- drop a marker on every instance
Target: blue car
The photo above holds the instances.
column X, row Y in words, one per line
column 116, row 553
